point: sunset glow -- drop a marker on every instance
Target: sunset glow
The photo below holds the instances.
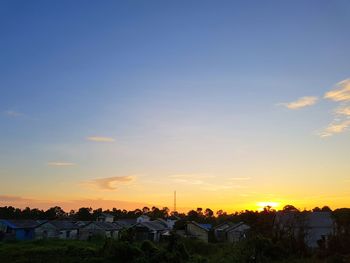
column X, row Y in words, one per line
column 273, row 205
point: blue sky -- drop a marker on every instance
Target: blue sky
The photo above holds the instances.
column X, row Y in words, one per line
column 185, row 89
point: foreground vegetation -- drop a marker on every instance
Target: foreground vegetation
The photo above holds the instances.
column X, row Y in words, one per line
column 175, row 250
column 261, row 246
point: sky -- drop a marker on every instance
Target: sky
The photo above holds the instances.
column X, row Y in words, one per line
column 233, row 104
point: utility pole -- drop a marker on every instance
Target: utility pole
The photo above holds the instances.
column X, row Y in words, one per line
column 175, row 201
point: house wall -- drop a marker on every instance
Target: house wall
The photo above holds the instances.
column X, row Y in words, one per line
column 68, row 234
column 112, row 234
column 105, row 219
column 24, row 234
column 237, row 233
column 142, row 234
column 45, row 231
column 171, row 223
column 90, row 230
column 49, row 231
column 315, row 234
column 109, row 219
column 142, row 219
column 234, row 236
column 220, row 235
column 220, row 232
column 197, row 232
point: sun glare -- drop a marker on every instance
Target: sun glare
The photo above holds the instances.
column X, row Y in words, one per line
column 261, row 205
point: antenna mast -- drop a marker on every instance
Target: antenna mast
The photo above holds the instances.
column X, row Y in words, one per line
column 174, row 201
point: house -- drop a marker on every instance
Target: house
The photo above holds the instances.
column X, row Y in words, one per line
column 143, row 218
column 105, row 217
column 196, row 230
column 57, row 229
column 237, row 232
column 220, row 231
column 169, row 223
column 126, row 222
column 150, row 230
column 104, row 229
column 19, row 229
column 314, row 227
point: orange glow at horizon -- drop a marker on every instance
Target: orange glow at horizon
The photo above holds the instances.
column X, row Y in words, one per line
column 262, row 205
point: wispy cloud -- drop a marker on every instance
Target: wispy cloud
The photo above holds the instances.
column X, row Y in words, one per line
column 60, row 164
column 193, row 179
column 191, row 176
column 300, row 103
column 335, row 127
column 343, row 110
column 110, row 183
column 240, row 178
column 341, row 91
column 340, row 94
column 13, row 114
column 100, row 139
column 341, row 114
column 203, row 182
column 214, row 188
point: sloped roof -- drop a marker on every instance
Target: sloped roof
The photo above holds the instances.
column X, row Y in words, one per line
column 108, row 225
column 144, row 216
column 233, row 227
column 82, row 223
column 22, row 223
column 162, row 221
column 206, row 227
column 153, row 225
column 63, row 224
column 223, row 225
column 127, row 222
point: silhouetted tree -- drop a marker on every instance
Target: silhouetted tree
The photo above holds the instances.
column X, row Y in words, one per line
column 55, row 213
column 84, row 214
column 290, row 208
column 208, row 212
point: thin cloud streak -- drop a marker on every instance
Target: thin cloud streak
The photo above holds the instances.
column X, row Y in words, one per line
column 341, row 91
column 60, row 164
column 110, row 183
column 100, row 139
column 190, row 176
column 341, row 122
column 240, row 178
column 13, row 114
column 335, row 128
column 344, row 110
column 301, row 103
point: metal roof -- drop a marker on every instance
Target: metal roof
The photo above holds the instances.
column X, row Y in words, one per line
column 22, row 223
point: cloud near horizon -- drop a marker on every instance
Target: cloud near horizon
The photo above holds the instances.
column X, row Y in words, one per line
column 110, row 183
column 240, row 178
column 60, row 164
column 100, row 139
column 300, row 103
column 22, row 202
